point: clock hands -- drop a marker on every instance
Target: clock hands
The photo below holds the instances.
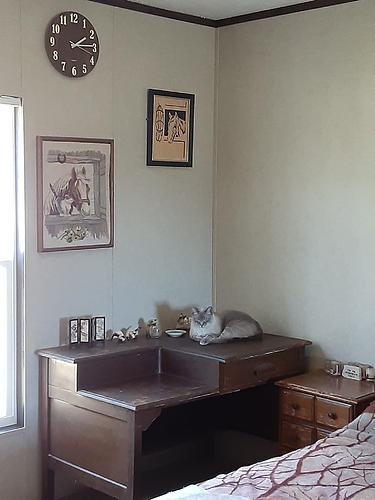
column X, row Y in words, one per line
column 72, row 44
column 80, row 45
column 84, row 50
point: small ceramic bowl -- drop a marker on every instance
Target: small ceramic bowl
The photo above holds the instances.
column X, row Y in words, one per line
column 175, row 333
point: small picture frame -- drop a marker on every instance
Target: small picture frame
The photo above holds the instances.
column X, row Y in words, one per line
column 98, row 329
column 73, row 331
column 170, row 127
column 84, row 331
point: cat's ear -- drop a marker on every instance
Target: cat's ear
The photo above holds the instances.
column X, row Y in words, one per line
column 194, row 310
column 209, row 310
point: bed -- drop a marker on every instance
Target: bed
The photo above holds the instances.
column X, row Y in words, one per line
column 340, row 467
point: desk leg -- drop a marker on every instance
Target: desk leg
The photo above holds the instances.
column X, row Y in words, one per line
column 49, row 490
column 142, row 422
column 48, row 475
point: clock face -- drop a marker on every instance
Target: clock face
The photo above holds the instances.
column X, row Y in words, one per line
column 72, row 44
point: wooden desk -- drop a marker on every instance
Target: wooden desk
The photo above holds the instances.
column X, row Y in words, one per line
column 95, row 403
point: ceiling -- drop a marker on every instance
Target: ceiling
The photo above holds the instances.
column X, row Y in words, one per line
column 218, row 13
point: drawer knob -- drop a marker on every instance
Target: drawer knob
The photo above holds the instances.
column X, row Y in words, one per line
column 295, row 406
column 331, row 415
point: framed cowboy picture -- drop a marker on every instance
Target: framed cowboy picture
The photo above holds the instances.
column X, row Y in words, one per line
column 170, row 128
column 75, row 193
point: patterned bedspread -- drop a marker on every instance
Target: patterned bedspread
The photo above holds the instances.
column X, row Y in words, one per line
column 339, row 467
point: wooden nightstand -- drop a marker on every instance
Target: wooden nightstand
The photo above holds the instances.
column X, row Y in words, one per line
column 315, row 404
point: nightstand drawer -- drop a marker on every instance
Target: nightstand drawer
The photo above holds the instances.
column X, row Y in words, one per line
column 322, row 433
column 332, row 413
column 297, row 405
column 296, row 436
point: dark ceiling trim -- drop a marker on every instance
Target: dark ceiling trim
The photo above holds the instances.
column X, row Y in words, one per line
column 155, row 11
column 281, row 11
column 178, row 16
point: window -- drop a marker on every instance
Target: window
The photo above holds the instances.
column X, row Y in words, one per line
column 11, row 261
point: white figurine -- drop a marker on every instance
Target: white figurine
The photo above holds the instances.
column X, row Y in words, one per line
column 152, row 329
column 128, row 334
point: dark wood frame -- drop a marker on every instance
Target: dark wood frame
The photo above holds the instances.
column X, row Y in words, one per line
column 56, row 157
column 159, row 136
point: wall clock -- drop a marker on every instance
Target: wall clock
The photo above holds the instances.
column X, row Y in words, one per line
column 72, row 44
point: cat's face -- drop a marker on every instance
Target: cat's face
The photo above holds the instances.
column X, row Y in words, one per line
column 201, row 317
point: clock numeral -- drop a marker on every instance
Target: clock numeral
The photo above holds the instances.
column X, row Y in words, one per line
column 74, row 71
column 92, row 60
column 92, row 34
column 94, row 47
column 55, row 55
column 52, row 41
column 84, row 69
column 56, row 29
column 74, row 17
column 63, row 19
column 84, row 23
column 63, row 65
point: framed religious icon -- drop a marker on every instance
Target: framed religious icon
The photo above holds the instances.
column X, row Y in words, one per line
column 75, row 193
column 170, row 127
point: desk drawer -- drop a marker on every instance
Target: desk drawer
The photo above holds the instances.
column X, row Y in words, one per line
column 332, row 413
column 297, row 404
column 257, row 370
column 296, row 436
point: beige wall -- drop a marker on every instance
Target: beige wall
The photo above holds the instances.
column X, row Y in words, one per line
column 161, row 262
column 295, row 239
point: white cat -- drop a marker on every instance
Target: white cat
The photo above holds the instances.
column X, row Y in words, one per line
column 209, row 327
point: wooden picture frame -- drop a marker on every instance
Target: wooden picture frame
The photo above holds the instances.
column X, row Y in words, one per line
column 75, row 193
column 73, row 331
column 170, row 128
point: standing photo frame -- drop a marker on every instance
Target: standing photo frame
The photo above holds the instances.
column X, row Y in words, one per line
column 170, row 128
column 98, row 329
column 75, row 193
column 73, row 331
column 84, row 330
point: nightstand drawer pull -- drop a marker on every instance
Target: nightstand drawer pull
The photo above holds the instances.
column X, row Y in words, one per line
column 295, row 406
column 330, row 413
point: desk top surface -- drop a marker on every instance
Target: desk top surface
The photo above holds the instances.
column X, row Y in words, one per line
column 230, row 351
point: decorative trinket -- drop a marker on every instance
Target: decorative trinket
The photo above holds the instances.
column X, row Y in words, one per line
column 183, row 322
column 152, row 329
column 122, row 336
